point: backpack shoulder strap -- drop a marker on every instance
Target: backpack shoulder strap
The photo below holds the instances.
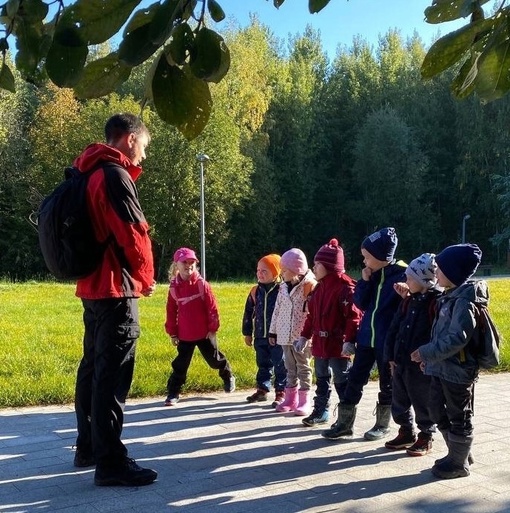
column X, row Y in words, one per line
column 201, row 291
column 253, row 293
column 201, row 288
column 308, row 288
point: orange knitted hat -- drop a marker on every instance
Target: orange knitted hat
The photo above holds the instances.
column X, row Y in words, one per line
column 273, row 263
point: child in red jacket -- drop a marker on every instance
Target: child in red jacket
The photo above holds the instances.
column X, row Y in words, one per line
column 332, row 325
column 192, row 320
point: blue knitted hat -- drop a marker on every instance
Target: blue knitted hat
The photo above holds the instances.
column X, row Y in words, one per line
column 382, row 244
column 458, row 263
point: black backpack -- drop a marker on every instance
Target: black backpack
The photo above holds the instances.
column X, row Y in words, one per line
column 66, row 234
column 486, row 339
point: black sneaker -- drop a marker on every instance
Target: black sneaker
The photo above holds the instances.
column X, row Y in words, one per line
column 83, row 459
column 171, row 400
column 229, row 385
column 127, row 474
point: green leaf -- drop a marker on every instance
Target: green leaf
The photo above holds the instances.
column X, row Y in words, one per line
column 493, row 79
column 464, row 83
column 181, row 99
column 316, row 5
column 141, row 17
column 65, row 61
column 169, row 14
column 11, row 8
column 449, row 10
column 181, row 43
column 31, row 44
column 149, row 77
column 136, row 46
column 211, row 57
column 102, row 77
column 33, row 10
column 7, row 79
column 96, row 21
column 449, row 49
column 215, row 10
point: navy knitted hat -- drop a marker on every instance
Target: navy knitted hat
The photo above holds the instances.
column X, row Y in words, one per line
column 458, row 263
column 382, row 244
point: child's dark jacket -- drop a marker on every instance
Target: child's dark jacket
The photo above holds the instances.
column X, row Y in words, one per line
column 411, row 326
column 379, row 302
column 332, row 316
column 448, row 355
column 258, row 313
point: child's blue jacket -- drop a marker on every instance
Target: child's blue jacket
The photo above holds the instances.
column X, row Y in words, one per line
column 379, row 302
column 259, row 309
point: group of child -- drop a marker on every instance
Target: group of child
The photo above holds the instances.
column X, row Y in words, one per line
column 413, row 322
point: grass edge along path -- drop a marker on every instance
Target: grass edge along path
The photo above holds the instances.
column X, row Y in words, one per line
column 41, row 335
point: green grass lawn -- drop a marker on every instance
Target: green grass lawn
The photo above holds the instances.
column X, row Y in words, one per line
column 41, row 332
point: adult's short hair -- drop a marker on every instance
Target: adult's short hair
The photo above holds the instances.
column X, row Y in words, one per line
column 122, row 124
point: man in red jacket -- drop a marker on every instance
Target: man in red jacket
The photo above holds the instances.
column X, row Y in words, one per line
column 110, row 301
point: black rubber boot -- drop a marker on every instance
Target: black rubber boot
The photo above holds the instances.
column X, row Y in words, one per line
column 382, row 423
column 470, row 459
column 456, row 463
column 342, row 428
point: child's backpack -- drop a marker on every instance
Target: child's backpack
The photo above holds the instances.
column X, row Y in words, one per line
column 184, row 300
column 66, row 235
column 486, row 339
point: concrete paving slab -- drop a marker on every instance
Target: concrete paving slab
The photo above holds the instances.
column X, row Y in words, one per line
column 218, row 453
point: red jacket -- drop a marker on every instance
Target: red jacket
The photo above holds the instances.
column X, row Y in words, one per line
column 191, row 311
column 127, row 267
column 332, row 317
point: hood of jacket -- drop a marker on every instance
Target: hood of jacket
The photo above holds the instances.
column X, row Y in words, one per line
column 475, row 291
column 95, row 153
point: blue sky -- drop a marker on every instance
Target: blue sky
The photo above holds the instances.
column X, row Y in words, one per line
column 340, row 20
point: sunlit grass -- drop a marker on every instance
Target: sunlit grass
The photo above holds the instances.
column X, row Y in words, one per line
column 41, row 336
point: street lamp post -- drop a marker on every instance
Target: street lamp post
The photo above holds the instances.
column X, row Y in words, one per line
column 202, row 159
column 464, row 219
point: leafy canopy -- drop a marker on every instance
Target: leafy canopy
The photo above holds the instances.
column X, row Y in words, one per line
column 188, row 55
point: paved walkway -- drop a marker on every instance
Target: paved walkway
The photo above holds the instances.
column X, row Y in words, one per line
column 219, row 454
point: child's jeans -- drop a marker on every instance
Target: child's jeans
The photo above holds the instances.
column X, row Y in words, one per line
column 359, row 375
column 324, row 368
column 269, row 364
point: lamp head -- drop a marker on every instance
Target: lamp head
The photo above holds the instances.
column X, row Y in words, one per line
column 202, row 157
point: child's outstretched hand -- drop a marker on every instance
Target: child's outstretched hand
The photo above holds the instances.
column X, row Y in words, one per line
column 300, row 344
column 402, row 289
column 366, row 272
column 416, row 356
column 348, row 349
column 272, row 341
column 248, row 340
column 175, row 341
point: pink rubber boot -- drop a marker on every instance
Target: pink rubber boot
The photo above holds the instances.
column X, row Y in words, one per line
column 304, row 403
column 290, row 402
